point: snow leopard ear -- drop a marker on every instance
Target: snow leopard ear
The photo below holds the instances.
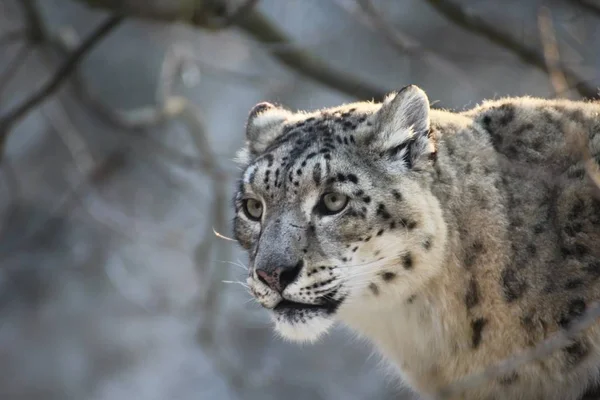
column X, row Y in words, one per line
column 402, row 126
column 264, row 126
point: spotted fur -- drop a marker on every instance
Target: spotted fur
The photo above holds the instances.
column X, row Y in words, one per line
column 467, row 237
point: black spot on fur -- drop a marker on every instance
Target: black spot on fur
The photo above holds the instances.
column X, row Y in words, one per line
column 427, row 243
column 397, row 195
column 374, row 288
column 472, row 252
column 573, row 229
column 408, row 224
column 513, row 287
column 411, row 299
column 380, row 232
column 269, row 158
column 407, row 261
column 382, row 212
column 477, row 327
column 576, row 309
column 487, row 120
column 388, row 276
column 317, row 174
column 472, row 296
column 507, row 114
column 577, row 210
column 573, row 284
column 576, row 353
column 539, row 228
column 527, row 322
column 352, row 178
column 509, row 379
column 367, row 199
column 593, row 268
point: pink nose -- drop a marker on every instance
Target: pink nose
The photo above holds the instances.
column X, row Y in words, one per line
column 271, row 279
column 280, row 277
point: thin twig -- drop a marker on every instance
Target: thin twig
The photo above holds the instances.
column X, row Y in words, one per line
column 103, row 171
column 259, row 27
column 19, row 111
column 492, row 32
column 551, row 52
column 302, row 61
column 36, row 28
column 559, row 340
column 407, row 45
column 134, row 123
column 238, row 14
column 391, row 34
column 80, row 152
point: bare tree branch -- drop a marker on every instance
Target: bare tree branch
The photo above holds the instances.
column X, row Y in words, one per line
column 103, row 171
column 19, row 111
column 238, row 14
column 407, row 45
column 551, row 52
column 590, row 5
column 36, row 28
column 261, row 29
column 480, row 26
column 392, row 35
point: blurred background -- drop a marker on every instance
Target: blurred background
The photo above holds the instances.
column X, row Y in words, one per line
column 119, row 122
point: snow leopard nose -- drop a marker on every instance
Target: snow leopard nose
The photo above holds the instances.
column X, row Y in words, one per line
column 279, row 278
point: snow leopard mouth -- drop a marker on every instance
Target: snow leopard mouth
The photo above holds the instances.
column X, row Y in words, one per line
column 326, row 305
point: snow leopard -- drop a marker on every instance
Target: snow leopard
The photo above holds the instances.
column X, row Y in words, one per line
column 451, row 240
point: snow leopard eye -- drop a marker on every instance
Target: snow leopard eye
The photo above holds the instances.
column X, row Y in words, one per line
column 253, row 209
column 332, row 203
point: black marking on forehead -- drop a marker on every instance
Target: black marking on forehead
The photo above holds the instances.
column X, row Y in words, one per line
column 317, row 173
column 277, row 182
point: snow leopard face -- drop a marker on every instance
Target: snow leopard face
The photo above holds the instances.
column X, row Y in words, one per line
column 334, row 209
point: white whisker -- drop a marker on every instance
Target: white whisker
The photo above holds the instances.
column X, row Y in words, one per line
column 236, row 264
column 238, row 282
column 220, row 236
